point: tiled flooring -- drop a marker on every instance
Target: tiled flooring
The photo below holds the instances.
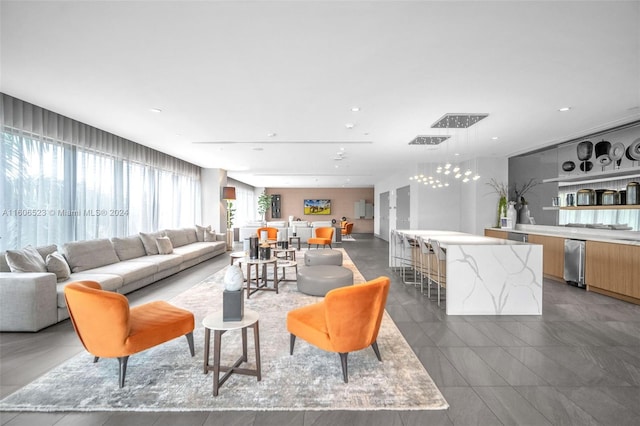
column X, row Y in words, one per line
column 577, row 364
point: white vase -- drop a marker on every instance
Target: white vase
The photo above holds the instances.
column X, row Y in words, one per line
column 512, row 214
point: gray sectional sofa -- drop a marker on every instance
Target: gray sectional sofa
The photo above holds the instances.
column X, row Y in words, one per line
column 31, row 301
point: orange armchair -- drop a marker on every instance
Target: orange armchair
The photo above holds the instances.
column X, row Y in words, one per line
column 347, row 320
column 272, row 233
column 346, row 230
column 323, row 236
column 108, row 328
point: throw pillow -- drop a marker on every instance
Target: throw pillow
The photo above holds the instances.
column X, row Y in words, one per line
column 201, row 230
column 164, row 245
column 149, row 241
column 57, row 264
column 209, row 237
column 26, row 260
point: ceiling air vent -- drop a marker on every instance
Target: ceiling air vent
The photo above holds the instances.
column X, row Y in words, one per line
column 428, row 140
column 458, row 121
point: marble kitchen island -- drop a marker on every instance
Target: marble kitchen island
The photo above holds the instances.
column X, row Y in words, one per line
column 488, row 276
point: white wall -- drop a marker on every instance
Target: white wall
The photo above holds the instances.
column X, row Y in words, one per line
column 467, row 207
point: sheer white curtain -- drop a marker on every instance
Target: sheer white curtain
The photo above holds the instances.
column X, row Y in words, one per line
column 64, row 181
column 32, row 192
column 245, row 204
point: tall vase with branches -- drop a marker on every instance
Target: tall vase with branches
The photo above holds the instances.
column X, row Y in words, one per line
column 521, row 203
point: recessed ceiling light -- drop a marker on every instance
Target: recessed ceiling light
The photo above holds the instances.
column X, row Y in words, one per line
column 155, row 110
column 271, row 135
column 495, row 138
column 349, row 125
column 564, row 109
column 355, row 109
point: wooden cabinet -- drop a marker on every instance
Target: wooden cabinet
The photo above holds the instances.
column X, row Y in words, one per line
column 552, row 255
column 495, row 233
column 614, row 270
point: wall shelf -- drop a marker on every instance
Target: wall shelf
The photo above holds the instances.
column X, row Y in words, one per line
column 593, row 177
column 613, row 207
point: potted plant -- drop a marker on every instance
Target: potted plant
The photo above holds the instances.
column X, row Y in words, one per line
column 501, row 189
column 230, row 214
column 264, row 203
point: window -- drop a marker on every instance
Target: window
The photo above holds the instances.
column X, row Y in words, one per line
column 53, row 193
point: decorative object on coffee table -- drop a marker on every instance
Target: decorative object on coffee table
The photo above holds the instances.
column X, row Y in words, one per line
column 232, row 297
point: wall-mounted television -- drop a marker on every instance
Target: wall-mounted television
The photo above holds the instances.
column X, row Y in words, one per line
column 321, row 206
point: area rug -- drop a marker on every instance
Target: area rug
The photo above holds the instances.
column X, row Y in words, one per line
column 167, row 378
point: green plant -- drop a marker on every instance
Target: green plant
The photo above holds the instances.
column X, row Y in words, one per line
column 230, row 214
column 502, row 190
column 264, row 204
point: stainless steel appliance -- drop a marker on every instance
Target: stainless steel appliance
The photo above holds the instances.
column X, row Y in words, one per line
column 574, row 260
column 518, row 236
column 609, row 197
column 586, row 197
column 633, row 193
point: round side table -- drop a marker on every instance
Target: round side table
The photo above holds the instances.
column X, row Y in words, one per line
column 214, row 322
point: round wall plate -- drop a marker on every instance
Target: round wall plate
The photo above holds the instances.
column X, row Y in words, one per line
column 617, row 151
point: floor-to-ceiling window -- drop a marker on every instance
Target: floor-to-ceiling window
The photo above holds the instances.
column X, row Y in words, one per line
column 244, row 204
column 55, row 190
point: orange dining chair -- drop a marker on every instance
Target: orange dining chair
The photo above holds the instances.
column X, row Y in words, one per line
column 323, row 236
column 348, row 227
column 347, row 320
column 108, row 328
column 272, row 233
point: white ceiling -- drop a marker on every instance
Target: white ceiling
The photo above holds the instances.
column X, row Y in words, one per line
column 228, row 74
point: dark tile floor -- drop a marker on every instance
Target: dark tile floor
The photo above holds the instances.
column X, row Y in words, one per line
column 579, row 363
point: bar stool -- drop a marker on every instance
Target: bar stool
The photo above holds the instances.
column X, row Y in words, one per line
column 441, row 266
column 425, row 257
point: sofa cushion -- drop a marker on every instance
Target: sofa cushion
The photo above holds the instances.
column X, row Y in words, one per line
column 164, row 245
column 209, row 237
column 83, row 255
column 108, row 282
column 200, row 230
column 149, row 241
column 277, row 224
column 162, row 261
column 178, row 237
column 182, row 236
column 129, row 270
column 195, row 250
column 128, row 247
column 25, row 260
column 57, row 264
column 47, row 250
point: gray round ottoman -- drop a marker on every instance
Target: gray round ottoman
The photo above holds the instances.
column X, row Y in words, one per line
column 323, row 257
column 318, row 280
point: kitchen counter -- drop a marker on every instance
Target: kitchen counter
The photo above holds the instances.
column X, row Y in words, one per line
column 488, row 276
column 587, row 234
column 612, row 258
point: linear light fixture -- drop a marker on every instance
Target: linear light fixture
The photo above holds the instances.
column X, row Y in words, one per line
column 428, row 140
column 458, row 121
